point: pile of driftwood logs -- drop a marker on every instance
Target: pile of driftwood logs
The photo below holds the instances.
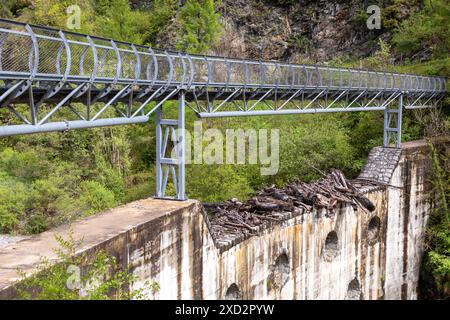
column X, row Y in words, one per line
column 272, row 205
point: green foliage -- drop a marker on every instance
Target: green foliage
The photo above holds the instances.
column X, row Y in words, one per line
column 46, row 193
column 5, row 9
column 51, row 13
column 381, row 59
column 108, row 18
column 317, row 142
column 162, row 13
column 440, row 264
column 112, row 160
column 213, row 183
column 302, row 43
column 22, row 165
column 393, row 12
column 10, row 8
column 366, row 132
column 13, row 195
column 54, row 13
column 361, row 17
column 101, row 277
column 140, row 185
column 94, row 197
column 433, row 67
column 437, row 256
column 200, row 26
column 59, row 177
column 116, row 20
column 425, row 30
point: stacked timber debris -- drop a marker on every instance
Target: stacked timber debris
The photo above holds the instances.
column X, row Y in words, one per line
column 273, row 205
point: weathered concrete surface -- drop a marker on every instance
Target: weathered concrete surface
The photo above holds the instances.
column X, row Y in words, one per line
column 311, row 255
column 311, row 275
column 7, row 239
column 120, row 231
column 409, row 201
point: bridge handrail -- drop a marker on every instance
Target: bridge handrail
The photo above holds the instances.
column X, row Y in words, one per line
column 47, row 54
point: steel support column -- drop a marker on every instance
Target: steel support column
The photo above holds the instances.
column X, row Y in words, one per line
column 181, row 146
column 393, row 123
column 170, row 161
column 158, row 113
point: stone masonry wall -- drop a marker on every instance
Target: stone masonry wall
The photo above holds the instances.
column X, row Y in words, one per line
column 380, row 164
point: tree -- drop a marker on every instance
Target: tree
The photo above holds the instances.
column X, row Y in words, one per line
column 161, row 14
column 54, row 13
column 9, row 7
column 425, row 30
column 119, row 22
column 200, row 26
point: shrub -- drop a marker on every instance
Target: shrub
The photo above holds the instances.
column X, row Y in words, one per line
column 94, row 197
column 13, row 196
column 315, row 143
column 45, row 194
column 116, row 20
column 427, row 29
column 36, row 223
column 217, row 182
column 25, row 165
column 437, row 253
column 99, row 278
column 200, row 26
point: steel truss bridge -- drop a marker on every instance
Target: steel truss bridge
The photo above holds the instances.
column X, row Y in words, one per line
column 54, row 80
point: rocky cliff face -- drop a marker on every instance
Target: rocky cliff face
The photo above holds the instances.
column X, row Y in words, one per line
column 297, row 30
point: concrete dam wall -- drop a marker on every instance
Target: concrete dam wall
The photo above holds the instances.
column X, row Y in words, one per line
column 350, row 254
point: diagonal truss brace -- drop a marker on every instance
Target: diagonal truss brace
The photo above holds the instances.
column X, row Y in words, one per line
column 301, row 101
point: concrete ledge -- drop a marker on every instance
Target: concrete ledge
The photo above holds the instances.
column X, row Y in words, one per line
column 95, row 231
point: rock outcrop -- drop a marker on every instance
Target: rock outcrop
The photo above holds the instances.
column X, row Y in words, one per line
column 296, row 30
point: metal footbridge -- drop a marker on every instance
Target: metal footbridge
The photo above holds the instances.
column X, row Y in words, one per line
column 54, row 80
